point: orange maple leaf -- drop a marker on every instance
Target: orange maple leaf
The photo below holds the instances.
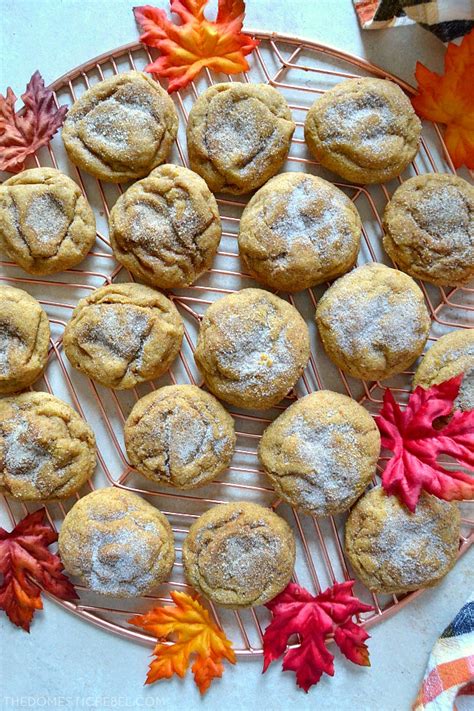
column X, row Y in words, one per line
column 194, row 633
column 197, row 43
column 449, row 98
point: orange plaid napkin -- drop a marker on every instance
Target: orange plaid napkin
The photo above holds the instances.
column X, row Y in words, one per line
column 449, row 678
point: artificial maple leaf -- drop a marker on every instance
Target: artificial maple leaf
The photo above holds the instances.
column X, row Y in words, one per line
column 25, row 561
column 314, row 618
column 21, row 134
column 195, row 634
column 449, row 99
column 416, row 444
column 197, row 43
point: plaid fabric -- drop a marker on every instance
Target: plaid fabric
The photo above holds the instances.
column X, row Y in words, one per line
column 450, row 672
column 447, row 19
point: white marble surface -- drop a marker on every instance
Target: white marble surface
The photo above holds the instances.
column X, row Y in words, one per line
column 67, row 663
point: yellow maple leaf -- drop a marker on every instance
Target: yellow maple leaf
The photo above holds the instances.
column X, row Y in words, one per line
column 449, row 99
column 194, row 633
column 197, row 43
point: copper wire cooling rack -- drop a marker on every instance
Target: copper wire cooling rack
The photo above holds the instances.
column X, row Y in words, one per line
column 300, row 70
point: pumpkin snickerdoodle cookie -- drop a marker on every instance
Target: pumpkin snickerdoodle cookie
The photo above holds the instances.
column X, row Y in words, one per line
column 47, row 451
column 429, row 228
column 166, row 228
column 121, row 128
column 393, row 550
column 116, row 543
column 239, row 555
column 365, row 130
column 252, row 348
column 24, row 339
column 373, row 322
column 123, row 334
column 46, row 224
column 451, row 355
column 321, row 453
column 239, row 136
column 179, row 435
column 298, row 231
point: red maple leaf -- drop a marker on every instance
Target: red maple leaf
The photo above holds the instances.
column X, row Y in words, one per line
column 21, row 134
column 26, row 561
column 196, row 43
column 296, row 612
column 416, row 444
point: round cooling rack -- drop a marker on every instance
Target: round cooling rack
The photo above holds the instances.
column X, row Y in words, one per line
column 301, row 71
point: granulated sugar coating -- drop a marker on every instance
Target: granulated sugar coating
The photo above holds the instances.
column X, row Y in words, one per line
column 47, row 451
column 451, row 355
column 321, row 453
column 46, row 223
column 365, row 130
column 45, row 218
column 252, row 348
column 166, row 228
column 373, row 322
column 117, row 543
column 239, row 554
column 24, row 340
column 123, row 334
column 298, row 231
column 392, row 550
column 238, row 136
column 429, row 229
column 121, row 128
column 179, row 435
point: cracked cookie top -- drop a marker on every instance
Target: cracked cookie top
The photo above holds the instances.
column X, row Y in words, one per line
column 429, row 228
column 46, row 224
column 121, row 128
column 239, row 555
column 116, row 543
column 298, row 231
column 321, row 453
column 179, row 435
column 166, row 228
column 238, row 136
column 393, row 550
column 373, row 322
column 252, row 348
column 47, row 451
column 123, row 334
column 451, row 355
column 365, row 130
column 24, row 339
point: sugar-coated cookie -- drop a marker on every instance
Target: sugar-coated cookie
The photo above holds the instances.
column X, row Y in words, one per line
column 116, row 543
column 239, row 555
column 24, row 339
column 238, row 136
column 166, row 228
column 46, row 223
column 321, row 453
column 298, row 231
column 393, row 550
column 121, row 128
column 47, row 451
column 451, row 355
column 373, row 322
column 365, row 130
column 179, row 435
column 429, row 228
column 123, row 334
column 252, row 348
